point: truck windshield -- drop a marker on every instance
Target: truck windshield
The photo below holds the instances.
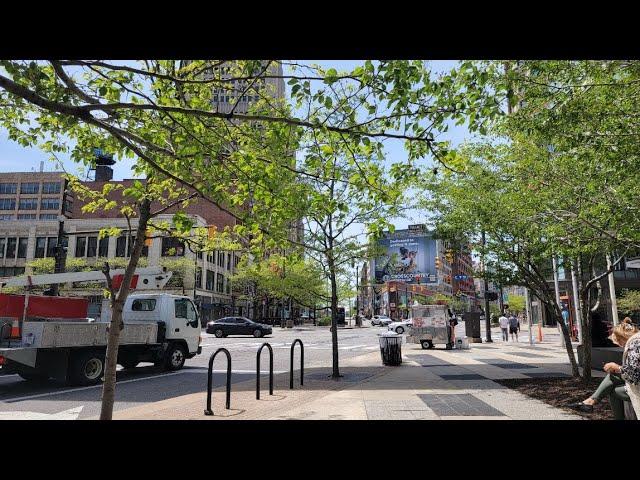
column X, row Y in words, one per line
column 184, row 309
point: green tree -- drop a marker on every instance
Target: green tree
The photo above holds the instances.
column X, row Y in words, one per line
column 160, row 113
column 516, row 303
column 629, row 302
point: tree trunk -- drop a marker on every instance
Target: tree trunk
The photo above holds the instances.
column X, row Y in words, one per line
column 586, row 334
column 116, row 324
column 334, row 315
column 575, row 370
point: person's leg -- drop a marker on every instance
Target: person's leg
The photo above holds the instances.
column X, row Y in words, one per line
column 607, row 385
column 617, row 397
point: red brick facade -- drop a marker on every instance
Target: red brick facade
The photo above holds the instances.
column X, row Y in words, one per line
column 210, row 212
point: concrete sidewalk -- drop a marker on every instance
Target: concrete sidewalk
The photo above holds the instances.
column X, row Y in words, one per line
column 430, row 384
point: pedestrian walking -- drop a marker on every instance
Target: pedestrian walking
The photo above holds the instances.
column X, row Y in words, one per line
column 504, row 326
column 513, row 327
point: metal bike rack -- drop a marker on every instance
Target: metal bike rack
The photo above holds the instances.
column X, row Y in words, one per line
column 258, row 370
column 208, row 411
column 293, row 345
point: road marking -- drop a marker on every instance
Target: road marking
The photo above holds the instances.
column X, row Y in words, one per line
column 79, row 389
column 71, row 414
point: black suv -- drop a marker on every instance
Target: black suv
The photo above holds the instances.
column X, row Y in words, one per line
column 237, row 326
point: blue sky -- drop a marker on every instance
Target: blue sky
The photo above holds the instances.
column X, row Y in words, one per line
column 14, row 157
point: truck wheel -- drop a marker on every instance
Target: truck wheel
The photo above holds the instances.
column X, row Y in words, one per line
column 34, row 377
column 86, row 368
column 175, row 357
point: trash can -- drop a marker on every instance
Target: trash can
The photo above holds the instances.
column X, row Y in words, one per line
column 390, row 348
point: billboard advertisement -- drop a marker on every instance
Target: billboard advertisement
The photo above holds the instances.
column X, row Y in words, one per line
column 407, row 256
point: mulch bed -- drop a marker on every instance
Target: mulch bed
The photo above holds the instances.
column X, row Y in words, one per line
column 560, row 391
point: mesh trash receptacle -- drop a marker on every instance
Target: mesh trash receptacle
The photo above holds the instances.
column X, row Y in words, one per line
column 390, row 348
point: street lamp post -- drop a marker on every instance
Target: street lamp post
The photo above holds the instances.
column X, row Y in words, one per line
column 61, row 255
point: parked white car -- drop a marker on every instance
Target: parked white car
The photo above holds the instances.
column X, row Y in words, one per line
column 400, row 327
column 381, row 320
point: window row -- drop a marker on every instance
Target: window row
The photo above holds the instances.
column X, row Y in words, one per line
column 30, row 204
column 29, row 216
column 30, row 188
column 222, row 259
column 11, row 271
column 213, row 282
column 231, row 98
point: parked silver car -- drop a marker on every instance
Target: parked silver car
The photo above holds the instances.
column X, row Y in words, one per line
column 380, row 320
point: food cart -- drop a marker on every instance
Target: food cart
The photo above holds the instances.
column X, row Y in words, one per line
column 430, row 326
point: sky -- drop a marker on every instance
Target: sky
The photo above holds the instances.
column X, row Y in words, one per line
column 15, row 158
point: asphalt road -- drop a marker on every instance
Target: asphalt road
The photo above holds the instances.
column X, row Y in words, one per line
column 24, row 400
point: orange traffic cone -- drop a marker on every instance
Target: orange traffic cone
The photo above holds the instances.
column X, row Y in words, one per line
column 15, row 328
column 539, row 332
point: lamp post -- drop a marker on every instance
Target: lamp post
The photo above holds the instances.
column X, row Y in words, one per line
column 61, row 255
column 354, row 265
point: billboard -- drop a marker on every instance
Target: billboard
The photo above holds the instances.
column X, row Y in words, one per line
column 407, row 256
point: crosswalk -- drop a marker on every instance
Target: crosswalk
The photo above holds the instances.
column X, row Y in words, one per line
column 287, row 346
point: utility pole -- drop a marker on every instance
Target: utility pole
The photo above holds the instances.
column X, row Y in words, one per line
column 612, row 293
column 487, row 317
column 576, row 303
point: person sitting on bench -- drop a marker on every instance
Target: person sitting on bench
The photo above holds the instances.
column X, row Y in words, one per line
column 622, row 382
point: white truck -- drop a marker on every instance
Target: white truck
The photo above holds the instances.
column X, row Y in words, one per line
column 158, row 327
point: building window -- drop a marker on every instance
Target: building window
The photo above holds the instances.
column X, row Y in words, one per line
column 51, row 187
column 103, row 247
column 31, row 187
column 50, row 204
column 228, row 261
column 11, row 271
column 81, row 246
column 219, row 283
column 198, row 277
column 3, row 242
column 26, row 216
column 41, row 243
column 6, row 217
column 8, row 188
column 228, row 286
column 48, row 216
column 121, row 246
column 7, row 204
column 51, row 246
column 28, row 204
column 11, row 247
column 23, row 242
column 132, row 241
column 92, row 246
column 221, row 259
column 172, row 247
column 210, row 280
